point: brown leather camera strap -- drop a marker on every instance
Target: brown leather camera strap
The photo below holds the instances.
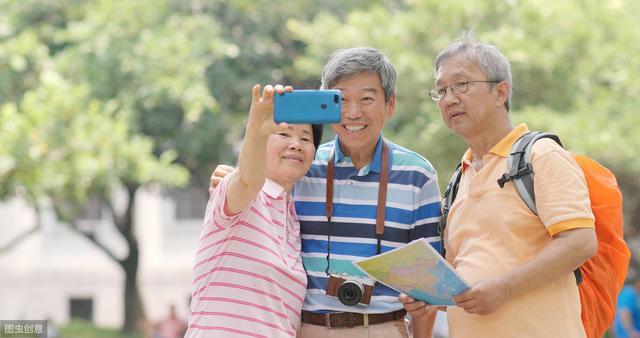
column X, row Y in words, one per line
column 382, row 190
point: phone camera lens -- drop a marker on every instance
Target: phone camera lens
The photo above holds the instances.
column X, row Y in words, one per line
column 323, row 106
column 336, row 99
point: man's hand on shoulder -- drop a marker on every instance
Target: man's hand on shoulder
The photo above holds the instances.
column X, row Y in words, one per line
column 484, row 297
column 218, row 174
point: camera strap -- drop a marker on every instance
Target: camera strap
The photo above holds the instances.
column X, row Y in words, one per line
column 382, row 199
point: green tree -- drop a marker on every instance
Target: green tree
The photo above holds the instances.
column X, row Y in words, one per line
column 65, row 148
column 112, row 86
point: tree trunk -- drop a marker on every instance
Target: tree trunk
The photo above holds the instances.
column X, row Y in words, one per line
column 133, row 305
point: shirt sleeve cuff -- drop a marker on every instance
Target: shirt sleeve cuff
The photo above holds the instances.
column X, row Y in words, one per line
column 220, row 213
column 571, row 224
column 226, row 212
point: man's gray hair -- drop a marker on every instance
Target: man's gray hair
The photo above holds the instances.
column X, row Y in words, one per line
column 487, row 56
column 348, row 62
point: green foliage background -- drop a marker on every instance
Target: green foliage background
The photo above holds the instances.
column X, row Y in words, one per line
column 102, row 93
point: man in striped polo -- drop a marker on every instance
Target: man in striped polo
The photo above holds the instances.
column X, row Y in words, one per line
column 366, row 79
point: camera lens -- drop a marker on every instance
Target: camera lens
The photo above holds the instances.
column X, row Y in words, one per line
column 336, row 99
column 350, row 293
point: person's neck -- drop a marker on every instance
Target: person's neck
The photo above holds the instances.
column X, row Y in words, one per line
column 287, row 188
column 360, row 157
column 481, row 143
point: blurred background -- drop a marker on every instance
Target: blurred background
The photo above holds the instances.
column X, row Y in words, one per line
column 113, row 114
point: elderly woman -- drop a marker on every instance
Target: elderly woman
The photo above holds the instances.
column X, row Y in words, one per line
column 248, row 274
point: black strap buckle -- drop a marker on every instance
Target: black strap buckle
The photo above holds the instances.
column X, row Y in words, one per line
column 506, row 177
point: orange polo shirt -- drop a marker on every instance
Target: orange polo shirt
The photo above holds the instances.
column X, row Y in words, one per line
column 490, row 231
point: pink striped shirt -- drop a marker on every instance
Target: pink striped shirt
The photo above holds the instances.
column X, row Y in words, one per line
column 248, row 279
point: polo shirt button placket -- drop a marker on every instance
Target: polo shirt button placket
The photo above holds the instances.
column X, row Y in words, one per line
column 282, row 206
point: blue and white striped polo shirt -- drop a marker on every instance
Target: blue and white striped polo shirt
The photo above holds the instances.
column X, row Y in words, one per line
column 412, row 212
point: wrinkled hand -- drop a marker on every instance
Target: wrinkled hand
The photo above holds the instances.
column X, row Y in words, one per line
column 218, row 174
column 484, row 297
column 417, row 308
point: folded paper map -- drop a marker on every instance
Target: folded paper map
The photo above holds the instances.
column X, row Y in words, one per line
column 417, row 270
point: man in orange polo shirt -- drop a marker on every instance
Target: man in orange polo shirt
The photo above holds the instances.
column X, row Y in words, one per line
column 520, row 265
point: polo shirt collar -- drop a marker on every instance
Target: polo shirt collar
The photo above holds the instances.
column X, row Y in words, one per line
column 376, row 162
column 271, row 188
column 501, row 148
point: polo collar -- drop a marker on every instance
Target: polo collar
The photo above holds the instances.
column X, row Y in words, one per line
column 273, row 189
column 501, row 148
column 376, row 162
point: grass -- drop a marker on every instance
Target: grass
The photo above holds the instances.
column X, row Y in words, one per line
column 84, row 329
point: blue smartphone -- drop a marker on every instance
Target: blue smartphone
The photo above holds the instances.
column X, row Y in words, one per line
column 308, row 106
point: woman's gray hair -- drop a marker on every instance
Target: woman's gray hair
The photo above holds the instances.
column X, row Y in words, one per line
column 487, row 56
column 348, row 62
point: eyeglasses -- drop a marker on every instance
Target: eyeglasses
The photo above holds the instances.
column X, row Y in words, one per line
column 458, row 87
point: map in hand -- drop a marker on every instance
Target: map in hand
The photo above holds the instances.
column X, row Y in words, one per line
column 417, row 270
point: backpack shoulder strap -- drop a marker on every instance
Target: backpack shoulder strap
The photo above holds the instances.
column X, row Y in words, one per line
column 447, row 200
column 521, row 173
column 519, row 167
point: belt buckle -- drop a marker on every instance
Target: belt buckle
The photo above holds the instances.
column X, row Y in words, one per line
column 350, row 320
column 340, row 322
column 327, row 318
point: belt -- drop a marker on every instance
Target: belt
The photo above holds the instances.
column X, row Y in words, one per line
column 349, row 319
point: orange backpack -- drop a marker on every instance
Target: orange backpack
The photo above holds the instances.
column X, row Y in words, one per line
column 601, row 278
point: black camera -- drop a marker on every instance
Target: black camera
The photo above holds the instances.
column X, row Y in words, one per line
column 350, row 291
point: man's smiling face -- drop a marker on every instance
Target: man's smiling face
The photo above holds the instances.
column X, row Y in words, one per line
column 364, row 112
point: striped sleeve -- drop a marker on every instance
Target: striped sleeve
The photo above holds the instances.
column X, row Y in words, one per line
column 427, row 199
column 427, row 212
column 215, row 207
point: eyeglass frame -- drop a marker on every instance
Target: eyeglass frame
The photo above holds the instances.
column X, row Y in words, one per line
column 437, row 98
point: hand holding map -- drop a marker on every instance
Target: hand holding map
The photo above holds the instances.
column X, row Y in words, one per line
column 417, row 270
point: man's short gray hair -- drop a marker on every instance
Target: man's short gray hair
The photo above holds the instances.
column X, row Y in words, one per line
column 348, row 62
column 487, row 56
